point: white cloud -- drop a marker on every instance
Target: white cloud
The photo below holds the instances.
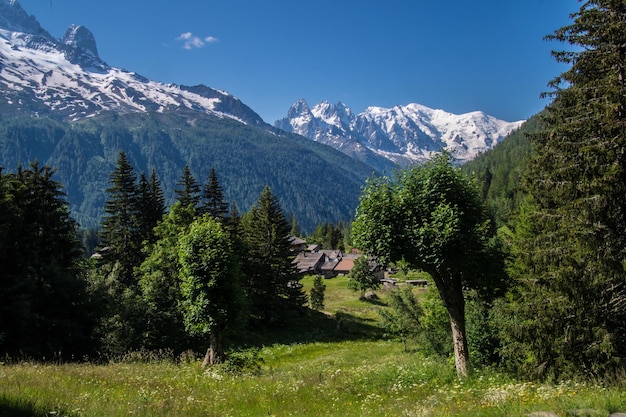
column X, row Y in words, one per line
column 191, row 41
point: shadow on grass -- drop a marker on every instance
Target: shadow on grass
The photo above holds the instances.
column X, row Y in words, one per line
column 16, row 408
column 311, row 326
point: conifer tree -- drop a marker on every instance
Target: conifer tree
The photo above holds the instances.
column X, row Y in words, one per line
column 213, row 194
column 121, row 233
column 43, row 297
column 572, row 242
column 151, row 205
column 316, row 297
column 273, row 282
column 189, row 191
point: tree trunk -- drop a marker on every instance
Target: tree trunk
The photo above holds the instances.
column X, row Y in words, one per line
column 451, row 293
column 459, row 339
column 215, row 352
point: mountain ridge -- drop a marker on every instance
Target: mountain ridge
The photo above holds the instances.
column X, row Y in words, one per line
column 400, row 135
column 66, row 78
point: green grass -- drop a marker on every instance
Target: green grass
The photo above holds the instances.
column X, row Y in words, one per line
column 355, row 378
column 339, row 376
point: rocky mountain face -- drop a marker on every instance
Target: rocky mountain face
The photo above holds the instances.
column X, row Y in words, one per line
column 384, row 137
column 66, row 78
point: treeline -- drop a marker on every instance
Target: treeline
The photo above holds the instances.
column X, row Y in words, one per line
column 184, row 278
column 306, row 176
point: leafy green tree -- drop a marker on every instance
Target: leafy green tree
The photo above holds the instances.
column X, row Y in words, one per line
column 211, row 295
column 571, row 241
column 362, row 277
column 213, row 196
column 189, row 191
column 158, row 278
column 272, row 278
column 316, row 296
column 432, row 216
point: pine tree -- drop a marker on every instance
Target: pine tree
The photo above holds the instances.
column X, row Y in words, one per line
column 43, row 297
column 121, row 233
column 189, row 191
column 151, row 205
column 273, row 282
column 316, row 297
column 213, row 195
column 572, row 256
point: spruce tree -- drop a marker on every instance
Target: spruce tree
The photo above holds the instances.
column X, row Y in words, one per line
column 213, row 194
column 189, row 191
column 151, row 205
column 121, row 232
column 273, row 283
column 44, row 308
column 572, row 242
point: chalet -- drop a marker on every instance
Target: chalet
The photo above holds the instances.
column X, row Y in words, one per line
column 297, row 244
column 329, row 263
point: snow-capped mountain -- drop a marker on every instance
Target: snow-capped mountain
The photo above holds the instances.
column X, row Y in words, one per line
column 399, row 135
column 66, row 77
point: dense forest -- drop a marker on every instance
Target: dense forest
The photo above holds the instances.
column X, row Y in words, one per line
column 158, row 280
column 305, row 175
column 526, row 245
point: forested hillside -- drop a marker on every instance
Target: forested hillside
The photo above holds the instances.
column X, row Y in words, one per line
column 500, row 170
column 312, row 181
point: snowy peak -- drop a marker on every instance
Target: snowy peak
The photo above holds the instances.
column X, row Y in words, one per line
column 397, row 135
column 13, row 18
column 67, row 79
column 80, row 38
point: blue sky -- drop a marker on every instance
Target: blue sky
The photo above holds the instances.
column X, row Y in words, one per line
column 455, row 55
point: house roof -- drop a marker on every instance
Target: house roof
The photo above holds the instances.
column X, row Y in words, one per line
column 345, row 264
column 307, row 261
column 296, row 240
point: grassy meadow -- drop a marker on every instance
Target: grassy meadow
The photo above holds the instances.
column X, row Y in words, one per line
column 322, row 371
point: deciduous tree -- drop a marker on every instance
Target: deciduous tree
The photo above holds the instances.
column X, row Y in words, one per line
column 211, row 295
column 432, row 216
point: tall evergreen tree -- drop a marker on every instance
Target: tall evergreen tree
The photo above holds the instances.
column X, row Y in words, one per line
column 572, row 243
column 273, row 282
column 151, row 205
column 43, row 295
column 188, row 191
column 213, row 194
column 121, row 233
